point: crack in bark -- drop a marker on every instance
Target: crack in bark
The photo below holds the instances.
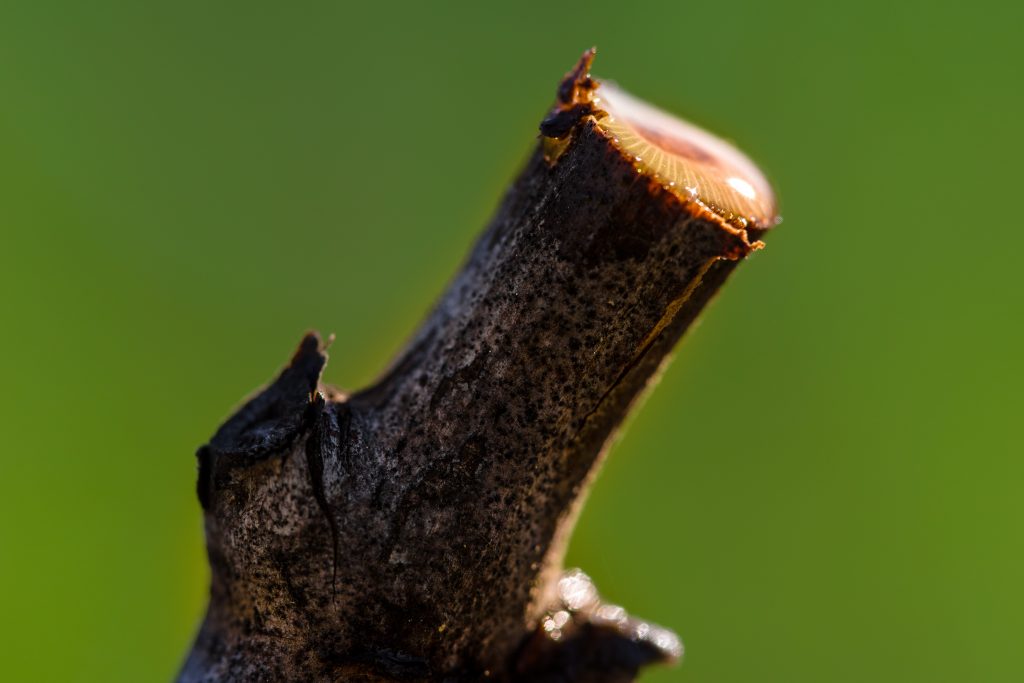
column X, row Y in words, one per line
column 327, row 442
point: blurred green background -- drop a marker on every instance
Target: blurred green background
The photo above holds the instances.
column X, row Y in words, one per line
column 826, row 486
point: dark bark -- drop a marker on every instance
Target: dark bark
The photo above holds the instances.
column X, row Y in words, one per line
column 415, row 530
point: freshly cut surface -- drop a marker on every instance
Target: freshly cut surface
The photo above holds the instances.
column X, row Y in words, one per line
column 688, row 160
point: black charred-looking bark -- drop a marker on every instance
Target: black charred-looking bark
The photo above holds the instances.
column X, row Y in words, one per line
column 415, row 530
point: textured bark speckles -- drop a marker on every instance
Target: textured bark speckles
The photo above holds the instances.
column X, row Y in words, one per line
column 415, row 530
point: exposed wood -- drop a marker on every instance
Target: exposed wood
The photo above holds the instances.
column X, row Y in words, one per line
column 415, row 530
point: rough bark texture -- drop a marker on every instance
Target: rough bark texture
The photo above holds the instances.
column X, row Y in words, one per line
column 414, row 531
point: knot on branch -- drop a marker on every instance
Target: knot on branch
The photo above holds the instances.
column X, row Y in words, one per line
column 266, row 424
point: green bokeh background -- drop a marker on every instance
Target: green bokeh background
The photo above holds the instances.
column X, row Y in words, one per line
column 826, row 486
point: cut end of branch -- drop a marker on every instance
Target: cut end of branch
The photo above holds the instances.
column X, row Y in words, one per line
column 702, row 169
column 688, row 160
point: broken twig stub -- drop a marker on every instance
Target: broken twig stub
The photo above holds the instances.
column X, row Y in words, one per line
column 415, row 530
